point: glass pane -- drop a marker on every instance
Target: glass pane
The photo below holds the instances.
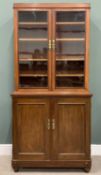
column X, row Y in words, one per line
column 33, row 49
column 70, row 16
column 33, row 16
column 70, row 81
column 70, row 31
column 70, row 49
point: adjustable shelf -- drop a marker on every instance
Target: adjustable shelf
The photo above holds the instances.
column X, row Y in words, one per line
column 32, row 23
column 70, row 23
column 27, row 28
column 33, row 74
column 70, row 31
column 70, row 58
column 32, row 59
column 33, row 39
column 70, row 39
column 69, row 75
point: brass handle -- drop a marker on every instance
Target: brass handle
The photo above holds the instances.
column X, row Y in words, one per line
column 53, row 124
column 48, row 125
column 50, row 44
column 53, row 44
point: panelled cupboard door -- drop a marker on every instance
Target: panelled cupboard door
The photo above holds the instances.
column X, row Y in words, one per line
column 71, row 131
column 31, row 130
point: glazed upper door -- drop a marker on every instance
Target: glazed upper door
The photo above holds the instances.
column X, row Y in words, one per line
column 69, row 49
column 32, row 129
column 51, row 51
column 33, row 33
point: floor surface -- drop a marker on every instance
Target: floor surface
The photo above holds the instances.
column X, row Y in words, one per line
column 6, row 169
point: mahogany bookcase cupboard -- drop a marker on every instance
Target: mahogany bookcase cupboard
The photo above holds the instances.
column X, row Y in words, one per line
column 51, row 101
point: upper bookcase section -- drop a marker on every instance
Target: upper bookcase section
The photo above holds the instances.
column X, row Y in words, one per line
column 51, row 44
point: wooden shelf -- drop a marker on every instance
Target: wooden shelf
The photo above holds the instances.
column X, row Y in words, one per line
column 70, row 31
column 32, row 59
column 70, row 23
column 74, row 58
column 71, row 55
column 33, row 39
column 70, row 39
column 33, row 23
column 33, row 28
column 33, row 74
column 69, row 75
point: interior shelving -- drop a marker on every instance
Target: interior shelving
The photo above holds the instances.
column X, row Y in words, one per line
column 36, row 49
column 70, row 45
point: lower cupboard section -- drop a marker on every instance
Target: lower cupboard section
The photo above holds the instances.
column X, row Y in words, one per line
column 51, row 132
